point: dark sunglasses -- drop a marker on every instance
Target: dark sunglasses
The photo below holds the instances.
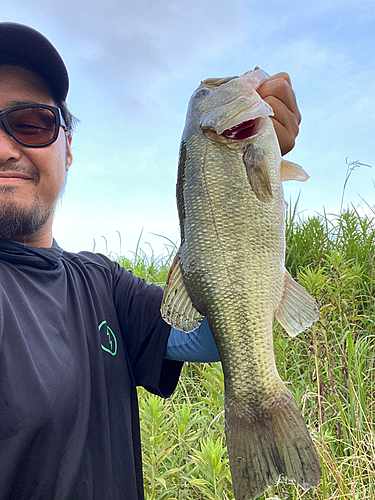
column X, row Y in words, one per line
column 33, row 125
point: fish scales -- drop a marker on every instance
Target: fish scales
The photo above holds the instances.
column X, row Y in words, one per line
column 229, row 212
column 230, row 265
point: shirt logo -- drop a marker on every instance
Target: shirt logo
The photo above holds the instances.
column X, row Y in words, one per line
column 110, row 344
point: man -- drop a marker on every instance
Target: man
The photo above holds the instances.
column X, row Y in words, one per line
column 78, row 333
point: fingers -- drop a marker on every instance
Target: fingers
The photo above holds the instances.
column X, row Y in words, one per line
column 277, row 91
column 280, row 86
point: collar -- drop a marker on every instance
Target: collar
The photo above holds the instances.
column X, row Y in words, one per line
column 40, row 258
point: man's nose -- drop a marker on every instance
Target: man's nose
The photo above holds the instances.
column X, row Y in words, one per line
column 9, row 149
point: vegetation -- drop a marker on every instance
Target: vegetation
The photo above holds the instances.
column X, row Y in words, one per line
column 329, row 368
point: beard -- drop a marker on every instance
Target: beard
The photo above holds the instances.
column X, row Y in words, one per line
column 19, row 223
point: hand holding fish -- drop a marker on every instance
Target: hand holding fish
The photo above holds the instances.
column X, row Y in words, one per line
column 277, row 91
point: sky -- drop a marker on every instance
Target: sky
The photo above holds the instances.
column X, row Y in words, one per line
column 133, row 66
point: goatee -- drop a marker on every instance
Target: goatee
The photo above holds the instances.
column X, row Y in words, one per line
column 18, row 223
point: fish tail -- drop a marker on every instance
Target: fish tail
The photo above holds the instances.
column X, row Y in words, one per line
column 263, row 446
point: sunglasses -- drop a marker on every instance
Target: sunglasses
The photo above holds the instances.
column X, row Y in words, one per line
column 33, row 125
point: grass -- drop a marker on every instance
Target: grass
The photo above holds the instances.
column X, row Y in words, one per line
column 329, row 368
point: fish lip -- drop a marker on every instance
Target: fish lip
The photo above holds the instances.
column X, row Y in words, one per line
column 216, row 123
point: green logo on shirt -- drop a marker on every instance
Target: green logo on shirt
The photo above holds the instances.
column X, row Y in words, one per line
column 111, row 341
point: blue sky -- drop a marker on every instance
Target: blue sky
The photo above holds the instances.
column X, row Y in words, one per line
column 134, row 65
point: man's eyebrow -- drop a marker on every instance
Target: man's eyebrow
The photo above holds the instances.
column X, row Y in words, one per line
column 10, row 104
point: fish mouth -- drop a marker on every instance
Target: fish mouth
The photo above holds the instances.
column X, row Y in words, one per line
column 243, row 131
column 244, row 122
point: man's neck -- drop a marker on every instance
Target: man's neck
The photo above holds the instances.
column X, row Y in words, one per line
column 41, row 239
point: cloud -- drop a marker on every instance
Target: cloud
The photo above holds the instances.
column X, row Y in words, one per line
column 140, row 48
column 129, row 38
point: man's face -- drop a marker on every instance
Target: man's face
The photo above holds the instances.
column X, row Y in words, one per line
column 31, row 179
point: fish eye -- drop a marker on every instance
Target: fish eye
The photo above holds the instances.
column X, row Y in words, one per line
column 201, row 92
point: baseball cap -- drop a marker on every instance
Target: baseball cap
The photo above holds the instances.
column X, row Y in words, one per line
column 22, row 45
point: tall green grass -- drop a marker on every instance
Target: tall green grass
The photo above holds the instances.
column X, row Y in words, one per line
column 329, row 368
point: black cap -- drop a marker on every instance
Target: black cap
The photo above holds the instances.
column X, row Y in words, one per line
column 24, row 46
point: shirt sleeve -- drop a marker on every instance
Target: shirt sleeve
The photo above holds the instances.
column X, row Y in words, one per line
column 145, row 333
column 196, row 346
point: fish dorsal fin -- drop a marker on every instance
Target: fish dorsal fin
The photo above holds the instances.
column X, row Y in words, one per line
column 290, row 171
column 177, row 309
column 298, row 309
column 258, row 173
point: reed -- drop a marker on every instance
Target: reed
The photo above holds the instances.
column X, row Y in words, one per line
column 329, row 368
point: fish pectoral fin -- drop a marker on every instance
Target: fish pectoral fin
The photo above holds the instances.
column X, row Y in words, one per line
column 258, row 173
column 290, row 171
column 298, row 309
column 177, row 308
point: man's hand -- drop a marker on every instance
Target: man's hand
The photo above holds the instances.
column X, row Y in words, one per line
column 277, row 91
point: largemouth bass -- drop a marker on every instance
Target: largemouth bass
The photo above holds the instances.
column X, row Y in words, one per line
column 230, row 268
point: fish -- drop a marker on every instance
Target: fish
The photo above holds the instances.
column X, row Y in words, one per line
column 230, row 268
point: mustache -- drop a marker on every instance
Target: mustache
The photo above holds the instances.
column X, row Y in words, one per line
column 30, row 171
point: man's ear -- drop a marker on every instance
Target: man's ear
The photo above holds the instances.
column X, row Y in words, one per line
column 69, row 156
